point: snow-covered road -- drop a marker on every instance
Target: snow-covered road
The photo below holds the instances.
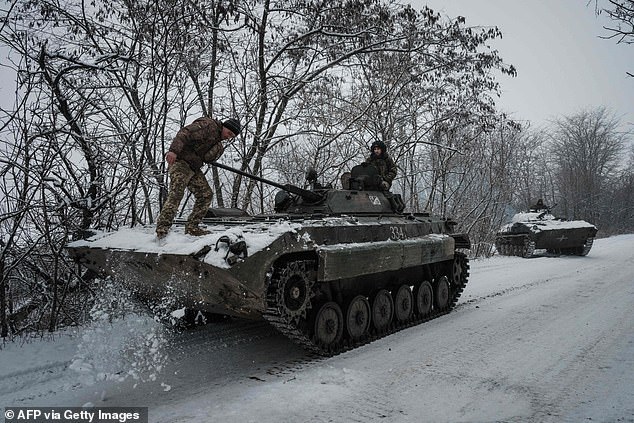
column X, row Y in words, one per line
column 546, row 339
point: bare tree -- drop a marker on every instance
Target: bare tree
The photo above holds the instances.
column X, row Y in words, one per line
column 534, row 170
column 618, row 212
column 35, row 224
column 587, row 151
column 621, row 12
column 95, row 90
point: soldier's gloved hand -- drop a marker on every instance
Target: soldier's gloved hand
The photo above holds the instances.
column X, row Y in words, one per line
column 170, row 157
column 385, row 185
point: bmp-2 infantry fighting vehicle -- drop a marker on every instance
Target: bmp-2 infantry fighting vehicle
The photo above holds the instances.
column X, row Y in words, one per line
column 539, row 229
column 331, row 269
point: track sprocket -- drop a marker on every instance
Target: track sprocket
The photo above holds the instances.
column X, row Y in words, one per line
column 291, row 290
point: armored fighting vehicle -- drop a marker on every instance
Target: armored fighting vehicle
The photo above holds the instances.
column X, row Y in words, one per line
column 539, row 229
column 331, row 269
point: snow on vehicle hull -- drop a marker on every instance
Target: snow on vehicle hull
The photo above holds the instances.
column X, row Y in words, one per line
column 178, row 280
column 193, row 272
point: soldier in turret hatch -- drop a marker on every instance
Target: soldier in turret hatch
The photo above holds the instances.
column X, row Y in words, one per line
column 539, row 206
column 383, row 162
column 197, row 143
column 311, row 178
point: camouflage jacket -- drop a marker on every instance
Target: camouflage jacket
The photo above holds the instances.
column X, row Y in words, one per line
column 199, row 142
column 385, row 165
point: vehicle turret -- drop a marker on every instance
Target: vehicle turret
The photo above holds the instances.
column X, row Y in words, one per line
column 362, row 196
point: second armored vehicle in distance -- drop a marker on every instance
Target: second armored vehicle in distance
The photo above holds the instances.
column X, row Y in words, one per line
column 539, row 229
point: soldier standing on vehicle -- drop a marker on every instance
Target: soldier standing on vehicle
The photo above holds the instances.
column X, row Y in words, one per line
column 383, row 162
column 197, row 143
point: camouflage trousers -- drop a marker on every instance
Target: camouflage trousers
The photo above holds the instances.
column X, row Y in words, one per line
column 182, row 176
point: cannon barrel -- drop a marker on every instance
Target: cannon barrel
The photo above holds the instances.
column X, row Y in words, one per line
column 307, row 195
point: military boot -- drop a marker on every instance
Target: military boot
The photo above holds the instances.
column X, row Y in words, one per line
column 196, row 231
column 161, row 232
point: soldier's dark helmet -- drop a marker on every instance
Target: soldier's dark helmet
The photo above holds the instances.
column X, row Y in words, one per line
column 233, row 125
column 379, row 144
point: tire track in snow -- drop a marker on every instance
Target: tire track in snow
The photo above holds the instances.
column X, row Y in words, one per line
column 27, row 378
column 218, row 336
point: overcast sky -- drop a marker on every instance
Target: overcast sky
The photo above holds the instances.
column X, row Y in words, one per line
column 562, row 64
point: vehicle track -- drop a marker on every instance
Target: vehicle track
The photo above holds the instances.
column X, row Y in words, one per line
column 300, row 333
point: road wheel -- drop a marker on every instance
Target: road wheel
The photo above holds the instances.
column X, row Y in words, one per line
column 423, row 298
column 403, row 303
column 529, row 248
column 328, row 324
column 441, row 294
column 382, row 310
column 358, row 317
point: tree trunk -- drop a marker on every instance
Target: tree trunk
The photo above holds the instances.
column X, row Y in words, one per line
column 4, row 327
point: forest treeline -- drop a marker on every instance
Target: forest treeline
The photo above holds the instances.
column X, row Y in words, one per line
column 103, row 85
